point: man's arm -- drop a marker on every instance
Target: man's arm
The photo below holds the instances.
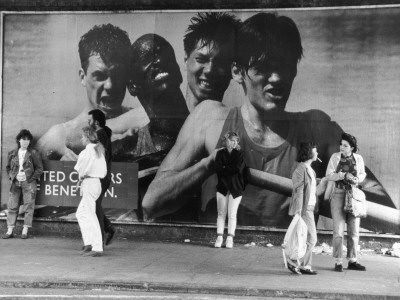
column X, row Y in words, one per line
column 188, row 163
column 51, row 145
column 128, row 123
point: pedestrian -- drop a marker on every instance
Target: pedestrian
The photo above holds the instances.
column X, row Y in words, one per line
column 24, row 167
column 304, row 202
column 345, row 168
column 97, row 120
column 91, row 167
column 229, row 166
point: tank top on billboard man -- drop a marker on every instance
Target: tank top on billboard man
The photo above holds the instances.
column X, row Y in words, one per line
column 229, row 166
column 268, row 49
column 97, row 120
column 24, row 167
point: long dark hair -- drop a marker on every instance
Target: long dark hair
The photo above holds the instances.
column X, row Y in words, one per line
column 305, row 151
column 24, row 133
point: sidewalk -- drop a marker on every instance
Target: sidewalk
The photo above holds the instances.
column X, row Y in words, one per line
column 189, row 268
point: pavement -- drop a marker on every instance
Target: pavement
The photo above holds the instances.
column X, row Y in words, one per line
column 187, row 267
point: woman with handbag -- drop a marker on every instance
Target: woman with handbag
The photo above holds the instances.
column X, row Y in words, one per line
column 304, row 203
column 345, row 168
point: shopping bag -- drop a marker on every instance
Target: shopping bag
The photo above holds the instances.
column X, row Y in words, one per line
column 295, row 240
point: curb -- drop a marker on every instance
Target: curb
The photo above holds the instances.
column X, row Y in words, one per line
column 194, row 289
column 200, row 233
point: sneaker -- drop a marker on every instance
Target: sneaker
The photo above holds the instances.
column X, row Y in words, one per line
column 356, row 266
column 93, row 253
column 86, row 249
column 24, row 236
column 7, row 236
column 338, row 267
column 229, row 242
column 218, row 242
column 109, row 235
column 308, row 271
column 294, row 269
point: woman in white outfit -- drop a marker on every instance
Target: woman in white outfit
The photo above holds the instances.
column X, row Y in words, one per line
column 91, row 166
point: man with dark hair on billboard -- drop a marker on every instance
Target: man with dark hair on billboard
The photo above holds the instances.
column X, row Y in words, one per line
column 267, row 53
column 155, row 79
column 104, row 53
column 209, row 47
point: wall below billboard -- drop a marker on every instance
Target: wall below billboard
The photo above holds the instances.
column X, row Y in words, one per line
column 58, row 185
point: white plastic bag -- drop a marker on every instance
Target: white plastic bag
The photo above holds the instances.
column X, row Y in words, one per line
column 295, row 241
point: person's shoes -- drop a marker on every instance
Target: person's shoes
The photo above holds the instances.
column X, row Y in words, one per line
column 229, row 242
column 308, row 272
column 109, row 236
column 86, row 249
column 7, row 236
column 24, row 236
column 93, row 253
column 294, row 269
column 356, row 266
column 218, row 242
column 338, row 267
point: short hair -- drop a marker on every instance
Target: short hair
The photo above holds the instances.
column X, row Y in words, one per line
column 230, row 135
column 304, row 152
column 144, row 48
column 210, row 27
column 139, row 52
column 108, row 41
column 268, row 38
column 350, row 139
column 98, row 116
column 24, row 133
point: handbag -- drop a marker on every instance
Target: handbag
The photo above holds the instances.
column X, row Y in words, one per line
column 355, row 202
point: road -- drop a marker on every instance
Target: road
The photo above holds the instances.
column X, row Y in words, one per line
column 63, row 294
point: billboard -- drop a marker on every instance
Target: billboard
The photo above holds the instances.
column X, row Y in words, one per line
column 346, row 80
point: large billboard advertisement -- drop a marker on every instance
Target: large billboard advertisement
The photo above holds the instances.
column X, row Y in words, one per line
column 172, row 83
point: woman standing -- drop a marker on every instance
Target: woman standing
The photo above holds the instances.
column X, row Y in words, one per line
column 345, row 168
column 229, row 165
column 91, row 166
column 304, row 202
column 24, row 167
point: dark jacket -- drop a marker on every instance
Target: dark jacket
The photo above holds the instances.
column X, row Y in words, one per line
column 229, row 168
column 105, row 139
column 301, row 190
column 33, row 166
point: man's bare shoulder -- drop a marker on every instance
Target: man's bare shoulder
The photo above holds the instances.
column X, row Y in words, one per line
column 210, row 117
column 51, row 144
column 211, row 112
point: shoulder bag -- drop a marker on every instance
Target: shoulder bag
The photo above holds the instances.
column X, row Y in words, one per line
column 355, row 202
